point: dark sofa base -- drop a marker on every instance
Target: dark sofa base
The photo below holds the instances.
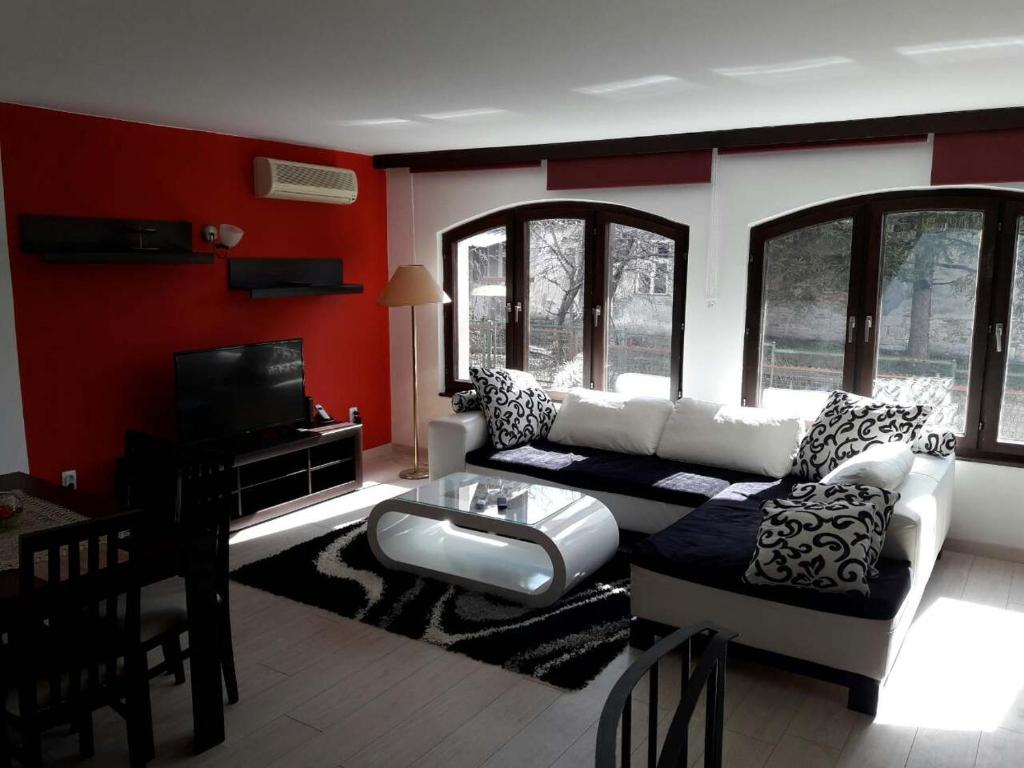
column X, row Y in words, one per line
column 862, row 692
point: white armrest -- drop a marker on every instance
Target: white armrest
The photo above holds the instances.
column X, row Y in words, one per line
column 450, row 438
column 921, row 518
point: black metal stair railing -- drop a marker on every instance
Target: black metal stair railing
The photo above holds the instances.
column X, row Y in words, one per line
column 709, row 673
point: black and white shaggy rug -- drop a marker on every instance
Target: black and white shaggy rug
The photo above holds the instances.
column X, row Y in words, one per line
column 566, row 644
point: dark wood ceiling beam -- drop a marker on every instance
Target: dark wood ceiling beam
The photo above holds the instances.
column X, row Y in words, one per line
column 767, row 136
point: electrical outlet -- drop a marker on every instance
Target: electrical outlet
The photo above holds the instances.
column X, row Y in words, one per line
column 353, row 414
column 69, row 478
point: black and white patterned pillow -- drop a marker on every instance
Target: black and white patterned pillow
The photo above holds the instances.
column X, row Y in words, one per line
column 848, row 425
column 517, row 409
column 467, row 400
column 812, row 546
column 935, row 443
column 883, row 501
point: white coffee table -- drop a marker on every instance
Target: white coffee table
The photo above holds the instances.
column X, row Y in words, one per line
column 545, row 542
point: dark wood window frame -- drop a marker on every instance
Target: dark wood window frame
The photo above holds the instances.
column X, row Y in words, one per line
column 1002, row 210
column 598, row 217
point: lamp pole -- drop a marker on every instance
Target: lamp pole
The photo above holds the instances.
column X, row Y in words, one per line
column 415, row 472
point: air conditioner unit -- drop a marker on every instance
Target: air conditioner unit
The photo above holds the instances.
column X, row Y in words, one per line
column 302, row 181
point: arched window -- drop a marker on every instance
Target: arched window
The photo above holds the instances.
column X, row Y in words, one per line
column 579, row 294
column 914, row 296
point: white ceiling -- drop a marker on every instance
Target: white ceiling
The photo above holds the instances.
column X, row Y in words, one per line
column 405, row 75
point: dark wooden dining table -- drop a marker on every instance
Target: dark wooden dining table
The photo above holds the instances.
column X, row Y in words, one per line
column 197, row 549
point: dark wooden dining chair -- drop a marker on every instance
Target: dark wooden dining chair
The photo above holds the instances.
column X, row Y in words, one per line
column 185, row 493
column 5, row 745
column 75, row 644
column 617, row 714
column 205, row 501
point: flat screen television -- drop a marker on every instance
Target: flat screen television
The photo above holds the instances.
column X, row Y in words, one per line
column 230, row 391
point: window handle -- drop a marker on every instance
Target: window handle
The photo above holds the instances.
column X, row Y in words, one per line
column 851, row 329
column 868, row 322
column 508, row 310
column 596, row 312
column 519, row 308
column 999, row 337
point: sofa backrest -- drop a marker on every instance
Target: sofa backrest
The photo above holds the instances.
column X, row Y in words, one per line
column 610, row 421
column 755, row 440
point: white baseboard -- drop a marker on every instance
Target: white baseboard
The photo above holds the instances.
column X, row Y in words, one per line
column 996, row 551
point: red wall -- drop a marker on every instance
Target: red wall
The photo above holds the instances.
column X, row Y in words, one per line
column 983, row 157
column 95, row 342
column 631, row 170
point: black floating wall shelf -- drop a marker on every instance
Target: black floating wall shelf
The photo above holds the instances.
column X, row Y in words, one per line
column 75, row 240
column 128, row 258
column 278, row 278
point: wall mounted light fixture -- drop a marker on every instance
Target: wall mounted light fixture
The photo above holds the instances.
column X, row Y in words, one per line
column 224, row 237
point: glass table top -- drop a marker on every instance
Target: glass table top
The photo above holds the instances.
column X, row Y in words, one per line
column 468, row 493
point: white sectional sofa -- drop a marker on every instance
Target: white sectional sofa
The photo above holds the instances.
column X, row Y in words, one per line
column 685, row 571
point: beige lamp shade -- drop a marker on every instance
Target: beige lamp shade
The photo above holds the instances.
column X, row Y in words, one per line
column 410, row 286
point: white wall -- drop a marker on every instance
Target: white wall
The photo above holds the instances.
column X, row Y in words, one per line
column 13, row 455
column 747, row 188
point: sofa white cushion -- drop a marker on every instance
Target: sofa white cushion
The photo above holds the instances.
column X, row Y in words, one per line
column 731, row 436
column 882, row 466
column 611, row 421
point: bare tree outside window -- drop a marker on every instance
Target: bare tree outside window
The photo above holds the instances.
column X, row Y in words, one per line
column 518, row 279
column 926, row 329
column 804, row 311
column 1011, row 418
column 555, row 314
column 481, row 306
column 926, row 315
column 906, row 296
column 640, row 290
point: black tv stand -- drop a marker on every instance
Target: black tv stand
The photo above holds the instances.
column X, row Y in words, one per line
column 276, row 471
column 260, row 440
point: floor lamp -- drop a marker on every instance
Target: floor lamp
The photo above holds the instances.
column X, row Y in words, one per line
column 412, row 286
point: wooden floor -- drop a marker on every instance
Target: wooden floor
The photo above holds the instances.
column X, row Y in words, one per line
column 320, row 690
